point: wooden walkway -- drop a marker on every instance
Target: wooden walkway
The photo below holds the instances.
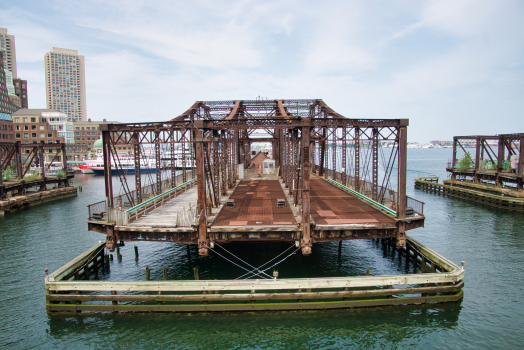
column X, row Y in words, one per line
column 167, row 214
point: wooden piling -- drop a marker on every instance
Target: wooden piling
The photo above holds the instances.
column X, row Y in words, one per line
column 136, row 253
column 164, row 273
column 195, row 272
column 148, row 272
column 78, row 302
column 115, row 302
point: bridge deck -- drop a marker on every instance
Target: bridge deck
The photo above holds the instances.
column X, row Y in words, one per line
column 256, row 205
column 332, row 206
column 166, row 215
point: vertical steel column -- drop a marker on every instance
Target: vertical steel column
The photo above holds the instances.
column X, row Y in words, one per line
column 334, row 165
column 500, row 159
column 281, row 148
column 326, row 156
column 172, row 156
column 223, row 165
column 18, row 160
column 193, row 156
column 158, row 171
column 520, row 164
column 236, row 154
column 201, row 188
column 454, row 161
column 136, row 155
column 106, row 150
column 313, row 157
column 292, row 167
column 374, row 194
column 229, row 153
column 357, row 159
column 41, row 164
column 285, row 157
column 477, row 157
column 247, row 154
column 402, row 199
column 477, row 153
column 216, row 166
column 304, row 169
column 344, row 156
column 184, row 161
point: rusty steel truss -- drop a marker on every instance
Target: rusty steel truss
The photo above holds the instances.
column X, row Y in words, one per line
column 12, row 156
column 490, row 158
column 212, row 139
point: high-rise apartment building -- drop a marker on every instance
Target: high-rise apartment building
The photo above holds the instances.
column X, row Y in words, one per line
column 65, row 83
column 6, row 106
column 7, row 46
column 21, row 91
column 16, row 87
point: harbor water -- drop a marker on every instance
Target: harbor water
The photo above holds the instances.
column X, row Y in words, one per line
column 489, row 240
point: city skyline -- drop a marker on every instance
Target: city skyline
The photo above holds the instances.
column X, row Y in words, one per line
column 451, row 68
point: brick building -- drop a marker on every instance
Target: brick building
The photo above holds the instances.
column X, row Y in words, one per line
column 33, row 126
column 88, row 132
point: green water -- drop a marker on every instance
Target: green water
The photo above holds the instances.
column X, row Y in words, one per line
column 490, row 316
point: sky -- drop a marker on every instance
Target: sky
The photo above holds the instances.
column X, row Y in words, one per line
column 451, row 67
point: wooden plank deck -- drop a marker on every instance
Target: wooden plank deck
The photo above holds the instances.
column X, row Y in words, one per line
column 166, row 215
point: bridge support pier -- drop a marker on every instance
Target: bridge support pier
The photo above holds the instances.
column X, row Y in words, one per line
column 401, row 235
column 110, row 239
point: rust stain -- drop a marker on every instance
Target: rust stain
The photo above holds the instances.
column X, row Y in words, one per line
column 256, row 205
column 332, row 206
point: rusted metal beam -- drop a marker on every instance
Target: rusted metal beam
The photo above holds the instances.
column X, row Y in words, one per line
column 306, row 206
column 201, row 188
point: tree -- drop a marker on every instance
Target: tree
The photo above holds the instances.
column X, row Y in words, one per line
column 466, row 162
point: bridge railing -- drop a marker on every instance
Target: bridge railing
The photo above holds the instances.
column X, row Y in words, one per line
column 125, row 217
column 418, row 206
column 389, row 199
column 122, row 201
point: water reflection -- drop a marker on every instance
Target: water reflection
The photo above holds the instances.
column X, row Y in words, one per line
column 364, row 328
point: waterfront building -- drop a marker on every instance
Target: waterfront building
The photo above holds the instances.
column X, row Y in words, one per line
column 6, row 127
column 65, row 83
column 49, row 126
column 86, row 133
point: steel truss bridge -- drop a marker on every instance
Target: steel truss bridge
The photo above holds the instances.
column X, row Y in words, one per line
column 491, row 157
column 335, row 176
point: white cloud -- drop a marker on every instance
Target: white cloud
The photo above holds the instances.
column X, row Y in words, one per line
column 445, row 63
